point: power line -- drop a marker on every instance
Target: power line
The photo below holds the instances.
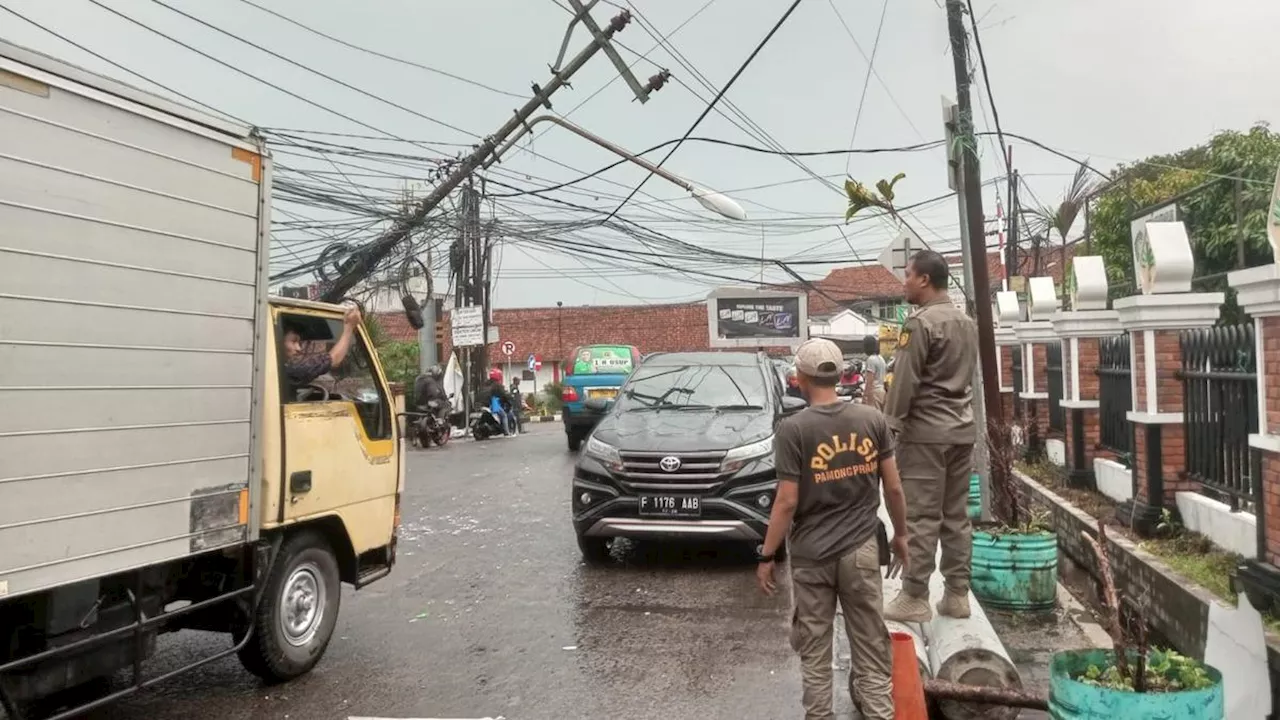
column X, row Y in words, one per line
column 716, row 99
column 382, row 55
column 118, row 66
column 866, row 82
column 874, row 72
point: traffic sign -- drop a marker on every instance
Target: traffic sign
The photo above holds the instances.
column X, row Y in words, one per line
column 508, row 348
column 896, row 254
column 535, row 363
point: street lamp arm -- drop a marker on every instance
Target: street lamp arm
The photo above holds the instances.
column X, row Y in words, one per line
column 587, row 135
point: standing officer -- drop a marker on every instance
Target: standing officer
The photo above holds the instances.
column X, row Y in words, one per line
column 832, row 459
column 930, row 407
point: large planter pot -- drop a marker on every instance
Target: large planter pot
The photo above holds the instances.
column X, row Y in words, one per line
column 1015, row 571
column 1074, row 700
column 974, row 506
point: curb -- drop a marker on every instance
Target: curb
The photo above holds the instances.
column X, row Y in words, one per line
column 543, row 418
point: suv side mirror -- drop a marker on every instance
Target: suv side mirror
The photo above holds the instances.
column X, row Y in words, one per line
column 792, row 405
column 598, row 405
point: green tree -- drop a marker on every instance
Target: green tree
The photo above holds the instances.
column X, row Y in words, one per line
column 1209, row 212
column 399, row 358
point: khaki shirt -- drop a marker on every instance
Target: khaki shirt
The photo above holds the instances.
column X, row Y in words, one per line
column 931, row 400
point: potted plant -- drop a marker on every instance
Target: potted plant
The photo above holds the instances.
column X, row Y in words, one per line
column 1015, row 558
column 1131, row 683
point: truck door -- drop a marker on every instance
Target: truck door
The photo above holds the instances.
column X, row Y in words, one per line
column 339, row 436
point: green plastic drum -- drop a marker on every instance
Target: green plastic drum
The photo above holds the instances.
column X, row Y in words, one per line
column 1014, row 571
column 1073, row 700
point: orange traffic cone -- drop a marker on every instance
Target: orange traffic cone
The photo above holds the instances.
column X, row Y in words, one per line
column 908, row 690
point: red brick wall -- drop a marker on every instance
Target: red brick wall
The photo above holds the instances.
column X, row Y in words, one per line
column 1271, row 478
column 1270, row 364
column 1088, row 355
column 1040, row 354
column 1006, row 365
column 1168, row 362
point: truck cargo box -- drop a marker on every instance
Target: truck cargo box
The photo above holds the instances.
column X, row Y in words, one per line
column 133, row 252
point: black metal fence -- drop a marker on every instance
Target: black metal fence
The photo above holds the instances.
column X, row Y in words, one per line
column 1115, row 397
column 1220, row 410
column 1053, row 373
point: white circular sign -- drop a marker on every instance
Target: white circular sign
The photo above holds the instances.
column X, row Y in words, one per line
column 508, row 348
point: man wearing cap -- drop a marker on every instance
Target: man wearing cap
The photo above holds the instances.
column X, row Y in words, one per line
column 832, row 459
column 930, row 408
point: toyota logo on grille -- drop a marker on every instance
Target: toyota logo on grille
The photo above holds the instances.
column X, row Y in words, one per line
column 670, row 463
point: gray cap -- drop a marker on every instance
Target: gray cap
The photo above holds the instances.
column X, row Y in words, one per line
column 819, row 358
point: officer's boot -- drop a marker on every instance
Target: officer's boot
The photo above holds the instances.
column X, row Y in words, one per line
column 954, row 604
column 908, row 608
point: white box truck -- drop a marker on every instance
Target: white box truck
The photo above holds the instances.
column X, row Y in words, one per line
column 159, row 469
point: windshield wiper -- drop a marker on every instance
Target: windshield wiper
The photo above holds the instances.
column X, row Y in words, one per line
column 674, row 406
column 740, row 407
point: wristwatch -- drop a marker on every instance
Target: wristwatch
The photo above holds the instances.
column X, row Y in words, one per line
column 761, row 557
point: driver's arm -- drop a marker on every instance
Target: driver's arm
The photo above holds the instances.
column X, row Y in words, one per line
column 305, row 370
column 338, row 352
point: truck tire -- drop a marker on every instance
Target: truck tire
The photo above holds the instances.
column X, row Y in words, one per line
column 297, row 612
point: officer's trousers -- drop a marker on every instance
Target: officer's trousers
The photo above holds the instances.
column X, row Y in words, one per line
column 935, row 479
column 855, row 581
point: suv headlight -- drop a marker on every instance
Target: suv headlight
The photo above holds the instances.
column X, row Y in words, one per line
column 604, row 452
column 736, row 458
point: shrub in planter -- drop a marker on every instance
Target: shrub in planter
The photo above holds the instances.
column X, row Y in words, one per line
column 1092, row 685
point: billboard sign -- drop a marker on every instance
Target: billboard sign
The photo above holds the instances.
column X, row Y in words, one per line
column 746, row 318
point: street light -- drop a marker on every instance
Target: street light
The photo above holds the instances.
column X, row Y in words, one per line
column 709, row 199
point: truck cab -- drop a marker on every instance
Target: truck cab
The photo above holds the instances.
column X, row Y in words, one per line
column 595, row 372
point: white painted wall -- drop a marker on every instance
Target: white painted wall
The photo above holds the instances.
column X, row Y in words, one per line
column 1114, row 480
column 845, row 324
column 1236, row 532
column 1057, row 451
column 1236, row 644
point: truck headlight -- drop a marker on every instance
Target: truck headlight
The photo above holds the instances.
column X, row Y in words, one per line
column 605, row 453
column 736, row 458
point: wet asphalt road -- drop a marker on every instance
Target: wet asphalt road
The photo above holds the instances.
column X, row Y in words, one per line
column 490, row 612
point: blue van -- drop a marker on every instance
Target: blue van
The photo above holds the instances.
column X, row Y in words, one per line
column 594, row 372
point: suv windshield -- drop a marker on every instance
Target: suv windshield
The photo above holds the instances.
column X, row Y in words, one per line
column 694, row 386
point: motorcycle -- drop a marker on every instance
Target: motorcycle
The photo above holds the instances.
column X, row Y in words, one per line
column 431, row 427
column 484, row 424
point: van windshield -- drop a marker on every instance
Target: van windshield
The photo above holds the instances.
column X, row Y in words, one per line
column 603, row 360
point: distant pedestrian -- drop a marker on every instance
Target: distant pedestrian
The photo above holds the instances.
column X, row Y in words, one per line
column 874, row 372
column 930, row 407
column 832, row 460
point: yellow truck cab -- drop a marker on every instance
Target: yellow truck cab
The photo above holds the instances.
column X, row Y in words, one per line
column 157, row 470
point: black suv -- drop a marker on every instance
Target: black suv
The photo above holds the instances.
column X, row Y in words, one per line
column 686, row 450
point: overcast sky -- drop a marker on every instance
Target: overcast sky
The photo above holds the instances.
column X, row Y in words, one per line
column 1111, row 80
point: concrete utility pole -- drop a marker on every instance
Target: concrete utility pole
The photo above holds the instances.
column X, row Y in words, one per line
column 361, row 264
column 972, row 219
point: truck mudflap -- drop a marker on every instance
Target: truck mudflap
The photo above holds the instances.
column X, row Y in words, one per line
column 260, row 555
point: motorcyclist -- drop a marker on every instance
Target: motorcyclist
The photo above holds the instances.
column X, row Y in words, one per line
column 429, row 387
column 495, row 397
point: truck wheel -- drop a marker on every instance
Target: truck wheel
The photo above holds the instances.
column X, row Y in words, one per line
column 595, row 550
column 575, row 440
column 297, row 612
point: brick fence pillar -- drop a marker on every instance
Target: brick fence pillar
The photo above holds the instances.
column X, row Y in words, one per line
column 1153, row 323
column 1081, row 332
column 1006, row 340
column 1258, row 292
column 1034, row 335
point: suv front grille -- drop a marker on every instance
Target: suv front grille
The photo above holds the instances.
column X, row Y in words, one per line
column 695, row 471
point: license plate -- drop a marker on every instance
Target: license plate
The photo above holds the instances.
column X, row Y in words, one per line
column 671, row 505
column 606, row 393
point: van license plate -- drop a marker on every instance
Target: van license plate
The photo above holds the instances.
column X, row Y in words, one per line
column 671, row 506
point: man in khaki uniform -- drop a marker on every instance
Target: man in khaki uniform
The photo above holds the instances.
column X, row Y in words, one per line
column 930, row 407
column 832, row 459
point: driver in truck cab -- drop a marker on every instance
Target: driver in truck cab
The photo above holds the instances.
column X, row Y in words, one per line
column 303, row 369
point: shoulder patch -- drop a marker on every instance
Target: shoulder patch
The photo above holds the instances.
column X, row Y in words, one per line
column 904, row 337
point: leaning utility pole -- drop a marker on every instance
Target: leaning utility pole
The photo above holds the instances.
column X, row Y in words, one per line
column 977, row 251
column 361, row 264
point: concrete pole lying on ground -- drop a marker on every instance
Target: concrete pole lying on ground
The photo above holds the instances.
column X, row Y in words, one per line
column 969, row 652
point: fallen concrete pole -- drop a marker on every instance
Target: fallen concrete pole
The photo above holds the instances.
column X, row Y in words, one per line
column 941, row 690
column 968, row 652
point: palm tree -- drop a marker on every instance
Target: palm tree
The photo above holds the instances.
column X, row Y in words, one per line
column 1061, row 218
